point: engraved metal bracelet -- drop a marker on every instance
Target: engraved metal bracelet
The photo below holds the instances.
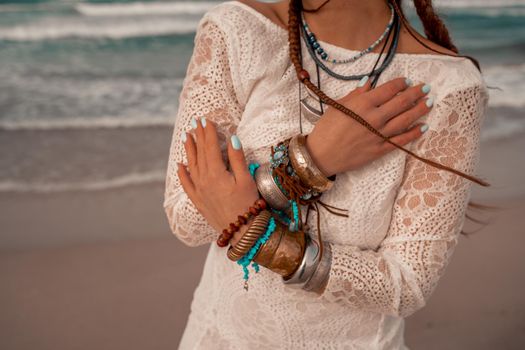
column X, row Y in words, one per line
column 307, row 266
column 305, row 167
column 319, row 279
column 269, row 189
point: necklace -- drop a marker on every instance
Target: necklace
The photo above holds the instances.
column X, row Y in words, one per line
column 313, row 114
column 374, row 72
column 312, row 41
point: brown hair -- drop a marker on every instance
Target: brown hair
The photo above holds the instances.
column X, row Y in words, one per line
column 435, row 31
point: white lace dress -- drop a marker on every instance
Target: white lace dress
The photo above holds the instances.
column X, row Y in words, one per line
column 405, row 216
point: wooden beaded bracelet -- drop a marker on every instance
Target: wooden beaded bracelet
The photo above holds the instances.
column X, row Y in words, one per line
column 227, row 234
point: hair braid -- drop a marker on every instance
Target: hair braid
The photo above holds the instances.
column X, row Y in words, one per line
column 435, row 29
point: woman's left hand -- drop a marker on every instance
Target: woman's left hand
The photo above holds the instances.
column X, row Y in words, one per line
column 218, row 194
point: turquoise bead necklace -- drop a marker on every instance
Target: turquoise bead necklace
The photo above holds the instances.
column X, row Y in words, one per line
column 312, row 41
column 374, row 73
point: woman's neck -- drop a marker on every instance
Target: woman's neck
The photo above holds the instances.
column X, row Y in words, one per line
column 347, row 23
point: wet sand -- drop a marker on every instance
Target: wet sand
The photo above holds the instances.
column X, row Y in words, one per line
column 102, row 270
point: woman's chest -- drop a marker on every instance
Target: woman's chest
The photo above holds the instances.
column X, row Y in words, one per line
column 273, row 114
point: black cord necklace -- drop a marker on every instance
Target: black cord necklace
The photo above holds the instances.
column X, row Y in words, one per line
column 315, row 114
column 374, row 72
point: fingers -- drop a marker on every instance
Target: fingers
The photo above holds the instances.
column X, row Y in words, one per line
column 385, row 92
column 363, row 86
column 403, row 139
column 238, row 161
column 214, row 158
column 402, row 102
column 187, row 184
column 401, row 123
column 191, row 153
column 201, row 146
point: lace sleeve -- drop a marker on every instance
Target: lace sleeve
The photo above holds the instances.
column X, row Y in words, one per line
column 208, row 91
column 428, row 214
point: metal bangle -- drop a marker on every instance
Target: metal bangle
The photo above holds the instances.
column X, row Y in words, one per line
column 307, row 266
column 248, row 239
column 319, row 279
column 305, row 167
column 269, row 189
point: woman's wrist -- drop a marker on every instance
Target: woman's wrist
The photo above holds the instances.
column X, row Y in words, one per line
column 316, row 153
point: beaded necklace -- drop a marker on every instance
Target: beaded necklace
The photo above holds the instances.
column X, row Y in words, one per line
column 375, row 72
column 312, row 41
column 313, row 114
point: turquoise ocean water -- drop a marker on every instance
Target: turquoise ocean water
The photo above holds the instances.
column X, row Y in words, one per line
column 107, row 64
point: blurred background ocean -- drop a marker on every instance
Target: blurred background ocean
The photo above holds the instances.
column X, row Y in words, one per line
column 88, row 99
column 120, row 64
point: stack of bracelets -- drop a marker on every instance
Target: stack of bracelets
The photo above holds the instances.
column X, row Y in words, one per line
column 277, row 238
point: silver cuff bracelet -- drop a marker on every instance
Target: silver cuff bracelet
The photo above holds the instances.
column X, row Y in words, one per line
column 308, row 265
column 320, row 277
column 269, row 189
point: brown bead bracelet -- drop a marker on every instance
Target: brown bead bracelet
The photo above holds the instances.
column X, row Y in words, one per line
column 227, row 234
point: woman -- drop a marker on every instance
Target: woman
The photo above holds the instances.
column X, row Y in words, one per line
column 404, row 215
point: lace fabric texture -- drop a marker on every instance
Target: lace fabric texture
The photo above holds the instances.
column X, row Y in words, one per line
column 405, row 216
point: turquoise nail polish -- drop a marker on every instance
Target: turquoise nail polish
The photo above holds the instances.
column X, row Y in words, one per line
column 203, row 121
column 363, row 81
column 425, row 88
column 236, row 143
column 194, row 123
column 408, row 81
column 183, row 136
column 429, row 102
column 424, row 127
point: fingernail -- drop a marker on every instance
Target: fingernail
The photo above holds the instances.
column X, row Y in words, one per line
column 236, row 143
column 429, row 102
column 203, row 121
column 194, row 123
column 363, row 81
column 408, row 81
column 425, row 88
column 183, row 136
column 424, row 127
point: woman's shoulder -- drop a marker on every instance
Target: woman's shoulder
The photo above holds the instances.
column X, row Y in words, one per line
column 447, row 74
column 244, row 16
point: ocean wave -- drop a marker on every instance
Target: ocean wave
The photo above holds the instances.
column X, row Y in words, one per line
column 493, row 12
column 498, row 126
column 82, row 123
column 477, row 3
column 66, row 27
column 511, row 80
column 145, row 8
column 117, row 182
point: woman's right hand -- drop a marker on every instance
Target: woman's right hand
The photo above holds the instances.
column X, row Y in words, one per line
column 339, row 143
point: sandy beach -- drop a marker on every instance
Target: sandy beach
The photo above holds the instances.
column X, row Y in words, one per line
column 88, row 98
column 101, row 268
